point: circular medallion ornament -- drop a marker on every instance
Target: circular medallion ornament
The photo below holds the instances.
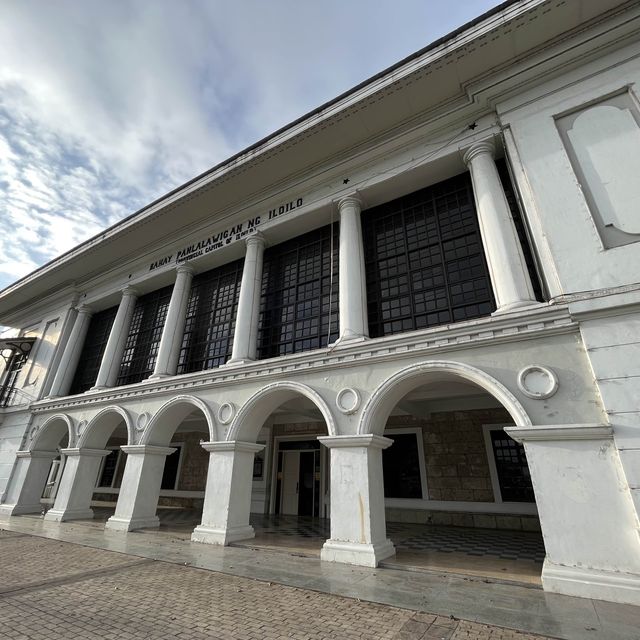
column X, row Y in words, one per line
column 537, row 382
column 348, row 400
column 226, row 412
column 82, row 425
column 142, row 421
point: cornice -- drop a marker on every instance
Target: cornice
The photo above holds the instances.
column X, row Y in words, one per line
column 542, row 321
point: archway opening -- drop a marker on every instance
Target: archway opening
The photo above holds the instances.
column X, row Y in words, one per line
column 458, row 492
column 54, row 436
column 290, row 501
column 178, row 492
column 110, row 431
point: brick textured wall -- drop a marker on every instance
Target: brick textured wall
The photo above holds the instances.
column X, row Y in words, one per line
column 195, row 462
column 455, row 453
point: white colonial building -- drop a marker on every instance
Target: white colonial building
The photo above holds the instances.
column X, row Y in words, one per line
column 447, row 252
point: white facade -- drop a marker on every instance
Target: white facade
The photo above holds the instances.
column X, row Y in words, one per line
column 552, row 88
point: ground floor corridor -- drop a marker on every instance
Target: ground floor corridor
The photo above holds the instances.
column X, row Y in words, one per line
column 506, row 556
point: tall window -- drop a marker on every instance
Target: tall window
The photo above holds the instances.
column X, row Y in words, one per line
column 299, row 304
column 93, row 349
column 514, row 478
column 8, row 389
column 211, row 318
column 142, row 344
column 425, row 262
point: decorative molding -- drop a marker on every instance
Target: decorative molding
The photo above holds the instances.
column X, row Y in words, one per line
column 537, row 382
column 348, row 400
column 226, row 413
column 233, row 445
column 150, row 449
column 386, row 391
column 142, row 421
column 551, row 432
column 541, row 321
column 360, row 440
column 80, row 427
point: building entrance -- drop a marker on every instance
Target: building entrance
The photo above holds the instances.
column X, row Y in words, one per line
column 298, row 478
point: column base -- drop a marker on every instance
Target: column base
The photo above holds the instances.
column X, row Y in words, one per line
column 358, row 553
column 517, row 306
column 61, row 515
column 7, row 510
column 591, row 583
column 130, row 524
column 347, row 340
column 160, row 376
column 222, row 537
column 236, row 362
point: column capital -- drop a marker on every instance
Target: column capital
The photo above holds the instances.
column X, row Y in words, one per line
column 144, row 449
column 37, row 454
column 84, row 309
column 366, row 441
column 256, row 239
column 83, row 451
column 128, row 290
column 185, row 268
column 232, row 445
column 482, row 147
column 353, row 200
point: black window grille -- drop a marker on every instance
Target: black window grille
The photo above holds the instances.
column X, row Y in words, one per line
column 93, row 349
column 109, row 468
column 401, row 467
column 141, row 348
column 8, row 391
column 425, row 263
column 211, row 318
column 299, row 304
column 513, row 471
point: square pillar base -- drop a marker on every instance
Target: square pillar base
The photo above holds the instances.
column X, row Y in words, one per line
column 130, row 524
column 591, row 583
column 61, row 515
column 358, row 553
column 222, row 537
column 7, row 510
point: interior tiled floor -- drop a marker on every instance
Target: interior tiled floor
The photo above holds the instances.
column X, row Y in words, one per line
column 512, row 556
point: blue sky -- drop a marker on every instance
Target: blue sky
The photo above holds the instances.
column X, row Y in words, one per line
column 107, row 105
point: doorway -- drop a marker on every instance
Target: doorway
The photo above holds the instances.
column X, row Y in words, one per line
column 298, row 480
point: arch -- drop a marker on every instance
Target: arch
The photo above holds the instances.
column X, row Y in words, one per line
column 49, row 434
column 262, row 403
column 101, row 426
column 392, row 390
column 169, row 416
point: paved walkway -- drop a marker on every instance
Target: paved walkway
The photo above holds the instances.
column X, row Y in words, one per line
column 107, row 585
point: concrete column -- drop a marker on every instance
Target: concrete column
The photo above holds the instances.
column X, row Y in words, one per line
column 507, row 268
column 71, row 355
column 27, row 482
column 586, row 514
column 73, row 500
column 245, row 338
column 227, row 500
column 354, row 321
column 173, row 331
column 112, row 358
column 140, row 490
column 358, row 526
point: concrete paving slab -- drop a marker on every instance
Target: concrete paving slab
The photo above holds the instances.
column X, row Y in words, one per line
column 479, row 601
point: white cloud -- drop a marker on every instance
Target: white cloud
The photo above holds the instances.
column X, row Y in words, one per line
column 105, row 106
